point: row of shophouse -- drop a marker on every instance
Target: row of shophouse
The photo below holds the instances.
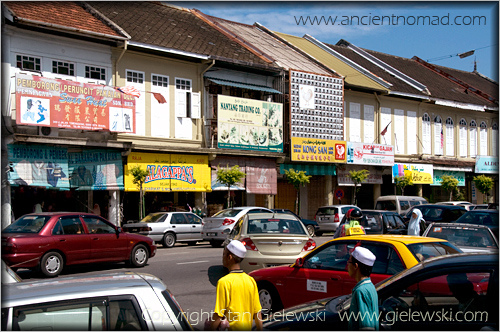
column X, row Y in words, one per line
column 90, row 90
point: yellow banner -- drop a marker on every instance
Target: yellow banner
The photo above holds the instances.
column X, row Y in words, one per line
column 170, row 172
column 318, row 150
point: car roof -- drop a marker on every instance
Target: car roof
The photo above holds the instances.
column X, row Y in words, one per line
column 460, row 259
column 60, row 214
column 389, row 238
column 276, row 215
column 70, row 287
column 456, row 224
column 380, row 211
column 483, row 211
column 443, row 206
column 337, row 206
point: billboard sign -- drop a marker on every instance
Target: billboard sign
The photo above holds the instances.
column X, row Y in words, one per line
column 318, row 150
column 370, row 154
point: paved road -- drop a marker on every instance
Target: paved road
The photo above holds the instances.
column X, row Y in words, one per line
column 190, row 273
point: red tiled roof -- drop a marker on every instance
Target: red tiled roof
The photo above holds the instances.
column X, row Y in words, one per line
column 62, row 13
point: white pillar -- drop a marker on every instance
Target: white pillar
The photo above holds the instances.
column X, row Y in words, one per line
column 329, row 190
column 114, row 214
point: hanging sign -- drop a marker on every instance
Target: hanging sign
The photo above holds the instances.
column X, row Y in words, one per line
column 51, row 102
column 318, row 150
column 370, row 154
column 420, row 173
column 438, row 175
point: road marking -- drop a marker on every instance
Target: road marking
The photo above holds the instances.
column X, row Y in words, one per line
column 192, row 262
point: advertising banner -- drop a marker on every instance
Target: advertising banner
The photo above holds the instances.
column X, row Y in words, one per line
column 38, row 165
column 262, row 176
column 170, row 172
column 420, row 173
column 248, row 124
column 487, row 165
column 460, row 176
column 96, row 170
column 375, row 177
column 370, row 154
column 318, row 150
column 50, row 102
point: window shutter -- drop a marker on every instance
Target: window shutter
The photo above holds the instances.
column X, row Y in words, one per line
column 195, row 105
column 180, row 104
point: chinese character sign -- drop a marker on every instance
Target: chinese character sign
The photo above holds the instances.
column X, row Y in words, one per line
column 49, row 102
column 318, row 150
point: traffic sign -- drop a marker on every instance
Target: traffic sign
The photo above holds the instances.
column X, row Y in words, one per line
column 339, row 193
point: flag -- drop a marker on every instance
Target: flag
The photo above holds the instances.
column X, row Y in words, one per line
column 442, row 138
column 385, row 129
column 159, row 97
column 130, row 90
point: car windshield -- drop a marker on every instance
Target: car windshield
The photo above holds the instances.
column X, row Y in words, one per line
column 423, row 251
column 275, row 226
column 429, row 212
column 479, row 218
column 386, row 205
column 27, row 224
column 153, row 217
column 327, row 211
column 464, row 236
column 227, row 213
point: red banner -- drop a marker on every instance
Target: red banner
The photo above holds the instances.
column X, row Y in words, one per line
column 59, row 103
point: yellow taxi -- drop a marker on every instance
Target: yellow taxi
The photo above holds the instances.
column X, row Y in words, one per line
column 322, row 272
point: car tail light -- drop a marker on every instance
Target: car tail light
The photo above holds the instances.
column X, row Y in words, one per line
column 315, row 218
column 9, row 247
column 310, row 245
column 228, row 221
column 336, row 218
column 248, row 243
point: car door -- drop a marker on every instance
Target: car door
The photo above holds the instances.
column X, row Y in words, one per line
column 69, row 236
column 105, row 243
column 195, row 227
column 181, row 227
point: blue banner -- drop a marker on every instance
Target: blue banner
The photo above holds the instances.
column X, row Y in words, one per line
column 487, row 165
column 96, row 170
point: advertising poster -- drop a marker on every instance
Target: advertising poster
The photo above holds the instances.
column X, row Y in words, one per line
column 460, row 176
column 318, row 150
column 50, row 102
column 375, row 176
column 170, row 172
column 487, row 165
column 96, row 170
column 420, row 173
column 248, row 124
column 370, row 154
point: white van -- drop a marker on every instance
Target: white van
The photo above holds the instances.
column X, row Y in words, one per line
column 399, row 204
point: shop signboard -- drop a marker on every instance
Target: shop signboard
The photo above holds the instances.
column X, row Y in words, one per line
column 375, row 176
column 318, row 150
column 50, row 102
column 486, row 165
column 96, row 170
column 170, row 172
column 261, row 176
column 248, row 124
column 38, row 165
column 438, row 175
column 370, row 154
column 420, row 173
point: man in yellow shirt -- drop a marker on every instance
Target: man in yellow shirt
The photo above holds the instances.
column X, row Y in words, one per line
column 237, row 293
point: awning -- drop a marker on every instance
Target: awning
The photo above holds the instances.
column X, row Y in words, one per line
column 454, row 169
column 243, row 85
column 313, row 169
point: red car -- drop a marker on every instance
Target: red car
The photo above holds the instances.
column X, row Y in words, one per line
column 49, row 241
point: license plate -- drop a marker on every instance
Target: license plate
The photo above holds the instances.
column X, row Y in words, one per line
column 211, row 234
column 325, row 219
column 135, row 230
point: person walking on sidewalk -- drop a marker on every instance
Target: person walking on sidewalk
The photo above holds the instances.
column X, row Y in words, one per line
column 363, row 313
column 237, row 294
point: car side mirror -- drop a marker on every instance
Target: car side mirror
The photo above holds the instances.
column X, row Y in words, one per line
column 119, row 230
column 299, row 262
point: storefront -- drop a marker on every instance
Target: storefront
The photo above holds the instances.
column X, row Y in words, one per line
column 487, row 166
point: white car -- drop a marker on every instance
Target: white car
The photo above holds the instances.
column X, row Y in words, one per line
column 467, row 205
column 329, row 217
column 217, row 227
column 114, row 301
column 169, row 228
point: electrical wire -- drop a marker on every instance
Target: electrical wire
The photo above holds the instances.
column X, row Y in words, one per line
column 452, row 55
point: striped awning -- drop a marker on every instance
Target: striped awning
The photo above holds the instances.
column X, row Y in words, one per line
column 243, row 85
column 310, row 169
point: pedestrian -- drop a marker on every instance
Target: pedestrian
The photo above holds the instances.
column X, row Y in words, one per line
column 363, row 313
column 237, row 294
column 38, row 208
column 414, row 223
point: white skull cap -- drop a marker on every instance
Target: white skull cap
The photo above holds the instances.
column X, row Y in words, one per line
column 364, row 256
column 237, row 248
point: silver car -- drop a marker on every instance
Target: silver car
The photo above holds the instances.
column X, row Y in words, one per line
column 114, row 301
column 467, row 237
column 169, row 228
column 217, row 227
column 329, row 217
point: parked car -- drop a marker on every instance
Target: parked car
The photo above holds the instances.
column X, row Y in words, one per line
column 438, row 213
column 8, row 275
column 466, row 205
column 271, row 239
column 478, row 207
column 397, row 203
column 323, row 272
column 169, row 228
column 493, row 206
column 217, row 227
column 381, row 222
column 467, row 237
column 114, row 301
column 311, row 225
column 51, row 240
column 329, row 217
column 487, row 218
column 452, row 293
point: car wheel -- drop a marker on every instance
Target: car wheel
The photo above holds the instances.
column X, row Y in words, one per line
column 168, row 240
column 51, row 264
column 269, row 299
column 310, row 230
column 139, row 256
column 216, row 243
column 192, row 243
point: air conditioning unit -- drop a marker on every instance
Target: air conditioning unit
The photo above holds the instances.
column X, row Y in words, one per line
column 48, row 131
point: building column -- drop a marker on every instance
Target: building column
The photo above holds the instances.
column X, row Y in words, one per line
column 419, row 190
column 377, row 191
column 270, row 201
column 114, row 214
column 198, row 200
column 329, row 190
column 303, row 193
